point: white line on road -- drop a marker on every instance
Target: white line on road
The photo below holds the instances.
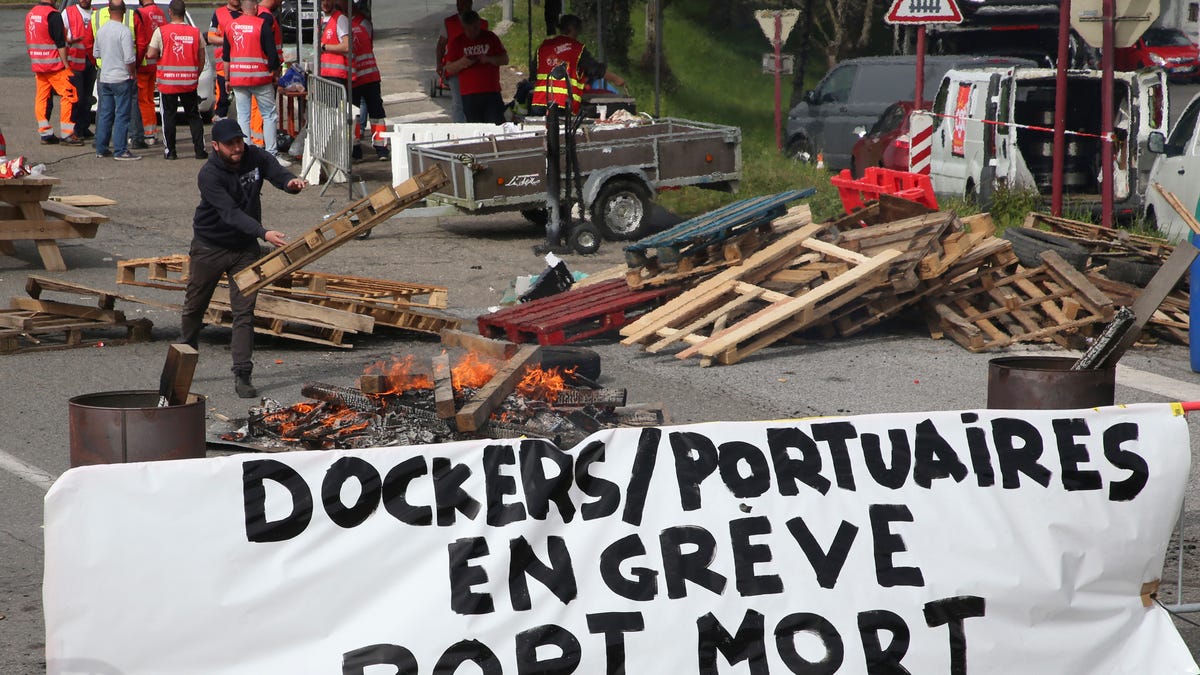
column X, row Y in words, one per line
column 26, row 471
column 1169, row 387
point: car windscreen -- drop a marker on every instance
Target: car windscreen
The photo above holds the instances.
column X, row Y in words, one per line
column 886, row 82
column 1166, row 38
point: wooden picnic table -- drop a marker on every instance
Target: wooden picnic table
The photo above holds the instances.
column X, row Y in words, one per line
column 27, row 214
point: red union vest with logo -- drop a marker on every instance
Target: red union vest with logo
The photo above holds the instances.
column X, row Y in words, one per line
column 43, row 53
column 179, row 62
column 365, row 68
column 149, row 17
column 79, row 25
column 547, row 90
column 224, row 18
column 333, row 66
column 247, row 62
column 454, row 27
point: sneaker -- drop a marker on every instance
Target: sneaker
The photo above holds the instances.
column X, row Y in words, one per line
column 126, row 156
column 241, row 385
column 50, row 140
column 170, row 154
column 104, row 153
column 71, row 140
column 283, row 160
column 201, row 153
column 150, row 140
column 383, row 154
column 85, row 134
column 138, row 144
column 356, row 152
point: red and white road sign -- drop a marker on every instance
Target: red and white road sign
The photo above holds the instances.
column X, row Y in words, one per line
column 920, row 145
column 923, row 11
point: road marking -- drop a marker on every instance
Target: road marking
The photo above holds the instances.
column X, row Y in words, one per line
column 1176, row 390
column 26, row 471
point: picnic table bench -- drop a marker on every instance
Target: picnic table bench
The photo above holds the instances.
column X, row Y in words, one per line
column 26, row 213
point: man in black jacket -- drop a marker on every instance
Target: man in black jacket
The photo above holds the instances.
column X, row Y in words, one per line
column 226, row 230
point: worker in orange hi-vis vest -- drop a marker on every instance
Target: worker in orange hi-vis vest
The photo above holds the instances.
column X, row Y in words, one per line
column 256, row 122
column 78, row 20
column 148, row 18
column 222, row 17
column 46, row 42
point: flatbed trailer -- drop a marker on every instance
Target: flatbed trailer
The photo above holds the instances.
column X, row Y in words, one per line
column 621, row 166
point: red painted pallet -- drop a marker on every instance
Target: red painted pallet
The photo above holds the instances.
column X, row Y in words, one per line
column 573, row 315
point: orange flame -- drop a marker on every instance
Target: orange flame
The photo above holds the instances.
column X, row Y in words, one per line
column 399, row 375
column 472, row 372
column 542, row 384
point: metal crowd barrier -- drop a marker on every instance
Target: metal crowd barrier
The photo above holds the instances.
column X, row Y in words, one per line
column 330, row 129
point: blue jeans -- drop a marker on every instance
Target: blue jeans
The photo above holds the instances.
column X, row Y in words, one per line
column 112, row 116
column 264, row 94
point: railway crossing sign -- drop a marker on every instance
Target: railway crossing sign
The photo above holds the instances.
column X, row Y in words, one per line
column 923, row 12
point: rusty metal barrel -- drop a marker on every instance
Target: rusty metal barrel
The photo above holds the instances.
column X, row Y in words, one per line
column 1047, row 383
column 114, row 427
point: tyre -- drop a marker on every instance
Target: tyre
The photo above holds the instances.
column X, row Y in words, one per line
column 622, row 209
column 1135, row 271
column 538, row 217
column 584, row 238
column 586, row 362
column 1029, row 243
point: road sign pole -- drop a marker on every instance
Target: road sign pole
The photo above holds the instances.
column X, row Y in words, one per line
column 1060, row 107
column 1106, row 114
column 778, row 84
column 920, row 89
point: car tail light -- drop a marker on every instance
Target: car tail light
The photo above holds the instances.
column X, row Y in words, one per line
column 901, row 143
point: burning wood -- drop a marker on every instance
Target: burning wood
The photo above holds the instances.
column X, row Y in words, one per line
column 396, row 404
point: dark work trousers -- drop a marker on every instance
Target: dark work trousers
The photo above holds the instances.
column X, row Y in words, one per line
column 190, row 101
column 207, row 264
column 371, row 93
column 223, row 94
column 487, row 108
column 83, row 81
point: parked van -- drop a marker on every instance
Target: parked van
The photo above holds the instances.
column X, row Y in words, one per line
column 855, row 93
column 994, row 127
column 1176, row 168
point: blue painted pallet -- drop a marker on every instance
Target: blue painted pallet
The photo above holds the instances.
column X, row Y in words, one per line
column 713, row 227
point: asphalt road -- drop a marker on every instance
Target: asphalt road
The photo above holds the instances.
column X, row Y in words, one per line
column 896, row 368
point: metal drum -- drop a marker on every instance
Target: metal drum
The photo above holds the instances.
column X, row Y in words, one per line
column 1047, row 383
column 128, row 426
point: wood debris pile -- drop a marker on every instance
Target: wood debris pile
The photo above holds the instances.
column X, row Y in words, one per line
column 823, row 280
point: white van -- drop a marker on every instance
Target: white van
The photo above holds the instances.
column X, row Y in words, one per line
column 994, row 127
column 1177, row 169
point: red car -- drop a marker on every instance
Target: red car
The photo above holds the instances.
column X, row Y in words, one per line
column 1166, row 48
column 886, row 144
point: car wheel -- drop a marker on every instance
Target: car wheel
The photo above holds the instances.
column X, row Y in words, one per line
column 799, row 149
column 584, row 238
column 621, row 209
column 1150, row 220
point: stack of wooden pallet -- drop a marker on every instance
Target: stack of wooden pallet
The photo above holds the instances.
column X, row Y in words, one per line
column 35, row 323
column 837, row 278
column 310, row 306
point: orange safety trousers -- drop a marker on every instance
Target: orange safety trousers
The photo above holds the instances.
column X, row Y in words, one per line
column 145, row 102
column 58, row 82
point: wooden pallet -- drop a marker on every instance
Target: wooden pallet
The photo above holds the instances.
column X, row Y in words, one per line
column 702, row 260
column 1053, row 302
column 573, row 315
column 917, row 239
column 1172, row 319
column 38, row 324
column 338, row 229
column 1100, row 239
column 712, row 228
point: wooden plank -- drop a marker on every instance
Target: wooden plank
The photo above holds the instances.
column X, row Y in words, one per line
column 1183, row 212
column 73, row 214
column 303, row 312
column 66, row 309
column 175, row 383
column 497, row 349
column 485, row 400
column 443, row 387
column 83, row 200
column 44, row 228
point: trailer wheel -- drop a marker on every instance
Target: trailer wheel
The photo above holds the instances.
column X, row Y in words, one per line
column 622, row 209
column 584, row 238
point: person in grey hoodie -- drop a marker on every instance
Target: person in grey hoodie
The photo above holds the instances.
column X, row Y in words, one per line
column 226, row 228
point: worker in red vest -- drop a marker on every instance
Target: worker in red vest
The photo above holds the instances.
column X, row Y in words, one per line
column 252, row 65
column 475, row 58
column 452, row 27
column 334, row 62
column 78, row 21
column 566, row 49
column 222, row 15
column 366, row 89
column 179, row 50
column 46, row 43
column 149, row 18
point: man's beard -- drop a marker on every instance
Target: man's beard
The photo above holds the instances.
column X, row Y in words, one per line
column 228, row 157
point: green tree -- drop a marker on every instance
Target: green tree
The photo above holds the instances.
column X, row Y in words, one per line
column 618, row 29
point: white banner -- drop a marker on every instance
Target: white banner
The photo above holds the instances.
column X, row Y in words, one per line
column 984, row 541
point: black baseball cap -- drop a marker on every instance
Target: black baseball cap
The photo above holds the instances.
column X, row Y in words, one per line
column 226, row 130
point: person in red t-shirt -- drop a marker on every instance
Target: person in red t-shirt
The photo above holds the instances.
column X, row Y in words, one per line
column 475, row 57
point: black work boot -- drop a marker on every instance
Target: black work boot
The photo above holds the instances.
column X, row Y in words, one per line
column 241, row 384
